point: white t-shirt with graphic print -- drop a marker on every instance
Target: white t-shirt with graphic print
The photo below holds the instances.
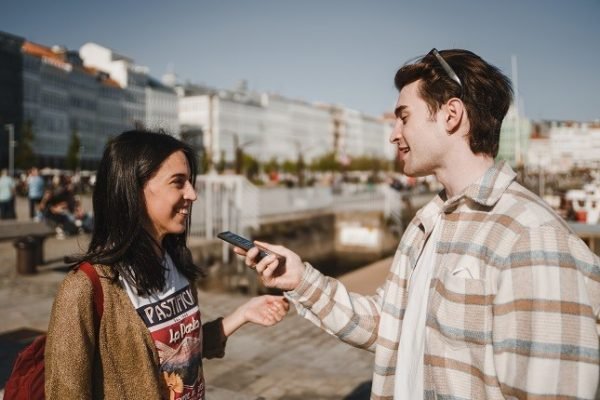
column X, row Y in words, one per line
column 173, row 318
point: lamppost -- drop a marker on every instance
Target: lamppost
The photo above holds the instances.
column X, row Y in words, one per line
column 11, row 148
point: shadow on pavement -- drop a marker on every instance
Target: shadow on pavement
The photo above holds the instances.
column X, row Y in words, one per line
column 361, row 392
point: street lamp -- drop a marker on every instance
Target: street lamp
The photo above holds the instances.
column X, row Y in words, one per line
column 11, row 148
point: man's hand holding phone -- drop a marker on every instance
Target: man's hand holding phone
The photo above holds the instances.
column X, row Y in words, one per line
column 281, row 268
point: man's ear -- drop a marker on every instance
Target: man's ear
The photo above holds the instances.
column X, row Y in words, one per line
column 455, row 114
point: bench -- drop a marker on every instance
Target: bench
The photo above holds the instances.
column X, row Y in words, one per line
column 13, row 229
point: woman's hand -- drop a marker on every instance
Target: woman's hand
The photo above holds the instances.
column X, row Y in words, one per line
column 262, row 310
column 265, row 310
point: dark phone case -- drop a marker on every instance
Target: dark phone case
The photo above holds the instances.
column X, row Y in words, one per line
column 241, row 242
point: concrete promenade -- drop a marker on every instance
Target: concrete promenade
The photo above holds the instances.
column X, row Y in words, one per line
column 293, row 360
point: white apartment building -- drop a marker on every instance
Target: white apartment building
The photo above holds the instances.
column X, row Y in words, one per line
column 363, row 135
column 271, row 126
column 560, row 146
column 162, row 107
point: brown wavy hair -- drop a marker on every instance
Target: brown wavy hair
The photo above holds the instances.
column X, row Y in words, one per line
column 486, row 92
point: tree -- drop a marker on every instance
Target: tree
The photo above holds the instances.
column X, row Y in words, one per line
column 251, row 166
column 271, row 166
column 221, row 164
column 289, row 167
column 25, row 157
column 326, row 162
column 205, row 162
column 73, row 151
column 300, row 165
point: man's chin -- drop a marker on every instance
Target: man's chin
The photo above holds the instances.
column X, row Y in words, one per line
column 411, row 173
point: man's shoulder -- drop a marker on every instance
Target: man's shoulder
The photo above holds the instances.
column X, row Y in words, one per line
column 528, row 209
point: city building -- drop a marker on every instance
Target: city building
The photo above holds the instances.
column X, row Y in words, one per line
column 11, row 92
column 270, row 126
column 560, row 146
column 63, row 98
column 514, row 138
column 147, row 102
column 363, row 135
column 162, row 107
column 54, row 94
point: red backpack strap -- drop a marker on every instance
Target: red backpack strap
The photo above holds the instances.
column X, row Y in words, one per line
column 90, row 271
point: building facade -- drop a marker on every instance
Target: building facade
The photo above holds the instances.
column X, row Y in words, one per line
column 514, row 138
column 560, row 146
column 146, row 101
column 270, row 126
column 64, row 98
column 11, row 92
column 93, row 93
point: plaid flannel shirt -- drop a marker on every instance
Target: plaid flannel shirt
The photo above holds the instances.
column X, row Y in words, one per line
column 513, row 306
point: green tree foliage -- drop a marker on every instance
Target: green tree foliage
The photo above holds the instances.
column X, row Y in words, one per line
column 250, row 166
column 221, row 164
column 326, row 162
column 367, row 163
column 289, row 167
column 25, row 157
column 300, row 166
column 271, row 166
column 205, row 162
column 73, row 152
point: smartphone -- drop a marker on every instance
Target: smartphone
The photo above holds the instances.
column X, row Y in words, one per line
column 242, row 243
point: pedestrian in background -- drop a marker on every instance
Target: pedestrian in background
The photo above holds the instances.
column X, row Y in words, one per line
column 7, row 196
column 35, row 192
column 151, row 337
column 490, row 295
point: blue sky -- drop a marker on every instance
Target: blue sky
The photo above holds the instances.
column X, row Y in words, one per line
column 343, row 52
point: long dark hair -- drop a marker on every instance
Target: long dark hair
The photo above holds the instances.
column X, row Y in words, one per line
column 119, row 239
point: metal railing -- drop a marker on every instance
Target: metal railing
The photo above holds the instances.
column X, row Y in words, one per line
column 225, row 202
column 231, row 202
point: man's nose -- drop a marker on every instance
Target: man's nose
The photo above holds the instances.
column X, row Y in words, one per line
column 396, row 132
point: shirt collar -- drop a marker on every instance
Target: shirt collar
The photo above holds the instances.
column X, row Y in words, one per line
column 486, row 191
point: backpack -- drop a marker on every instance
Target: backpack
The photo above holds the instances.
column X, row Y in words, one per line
column 26, row 381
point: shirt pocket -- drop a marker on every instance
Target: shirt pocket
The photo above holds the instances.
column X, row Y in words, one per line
column 459, row 311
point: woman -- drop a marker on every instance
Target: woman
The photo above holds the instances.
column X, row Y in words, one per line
column 150, row 341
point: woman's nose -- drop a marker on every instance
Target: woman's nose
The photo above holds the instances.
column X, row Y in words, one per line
column 190, row 192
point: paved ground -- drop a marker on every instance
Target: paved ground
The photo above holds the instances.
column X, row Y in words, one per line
column 293, row 360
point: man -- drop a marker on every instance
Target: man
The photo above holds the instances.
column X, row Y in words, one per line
column 35, row 192
column 7, row 196
column 490, row 294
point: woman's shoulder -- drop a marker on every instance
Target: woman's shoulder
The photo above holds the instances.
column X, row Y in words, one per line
column 77, row 282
